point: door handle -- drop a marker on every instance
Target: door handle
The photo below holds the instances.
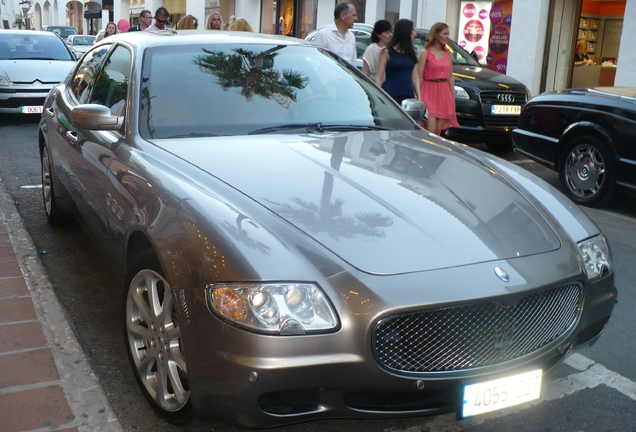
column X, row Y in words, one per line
column 72, row 136
column 50, row 112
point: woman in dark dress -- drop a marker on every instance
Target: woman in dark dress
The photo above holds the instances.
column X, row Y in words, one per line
column 397, row 62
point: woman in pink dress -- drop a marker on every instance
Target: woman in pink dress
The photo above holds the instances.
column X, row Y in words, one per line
column 437, row 85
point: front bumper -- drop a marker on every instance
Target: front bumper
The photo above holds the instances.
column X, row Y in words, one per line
column 12, row 101
column 253, row 380
column 479, row 135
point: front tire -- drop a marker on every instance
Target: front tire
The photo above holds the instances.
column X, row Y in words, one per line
column 54, row 215
column 587, row 172
column 153, row 340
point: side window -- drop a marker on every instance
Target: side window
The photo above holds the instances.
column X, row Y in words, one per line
column 363, row 40
column 85, row 74
column 111, row 87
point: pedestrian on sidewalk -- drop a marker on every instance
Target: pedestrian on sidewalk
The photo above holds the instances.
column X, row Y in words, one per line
column 436, row 81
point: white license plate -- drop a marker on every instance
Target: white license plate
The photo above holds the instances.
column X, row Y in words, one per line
column 506, row 109
column 32, row 109
column 501, row 393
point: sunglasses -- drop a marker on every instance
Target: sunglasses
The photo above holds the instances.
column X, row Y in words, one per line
column 161, row 21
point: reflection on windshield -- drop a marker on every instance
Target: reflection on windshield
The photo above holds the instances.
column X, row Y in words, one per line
column 234, row 90
column 254, row 74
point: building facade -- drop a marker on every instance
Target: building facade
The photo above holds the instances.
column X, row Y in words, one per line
column 531, row 40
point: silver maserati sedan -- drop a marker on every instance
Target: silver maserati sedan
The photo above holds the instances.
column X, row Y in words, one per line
column 294, row 247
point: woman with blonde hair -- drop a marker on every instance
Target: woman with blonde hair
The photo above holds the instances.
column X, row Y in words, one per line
column 187, row 22
column 437, row 83
column 214, row 22
column 240, row 24
column 580, row 56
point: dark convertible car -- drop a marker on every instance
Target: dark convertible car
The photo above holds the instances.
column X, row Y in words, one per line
column 587, row 135
column 295, row 247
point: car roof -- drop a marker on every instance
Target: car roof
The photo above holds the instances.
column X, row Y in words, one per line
column 145, row 39
column 29, row 33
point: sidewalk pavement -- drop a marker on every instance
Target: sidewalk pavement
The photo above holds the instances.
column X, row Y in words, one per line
column 46, row 382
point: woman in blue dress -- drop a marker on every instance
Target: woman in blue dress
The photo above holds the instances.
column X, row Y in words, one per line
column 397, row 61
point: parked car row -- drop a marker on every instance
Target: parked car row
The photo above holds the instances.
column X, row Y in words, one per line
column 587, row 135
column 295, row 247
column 576, row 132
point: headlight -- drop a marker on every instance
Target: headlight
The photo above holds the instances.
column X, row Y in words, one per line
column 597, row 257
column 285, row 308
column 460, row 93
column 4, row 81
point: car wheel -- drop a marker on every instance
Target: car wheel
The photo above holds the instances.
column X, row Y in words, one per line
column 153, row 340
column 54, row 215
column 586, row 171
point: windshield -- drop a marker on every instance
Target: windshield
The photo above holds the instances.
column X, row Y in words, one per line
column 237, row 90
column 83, row 40
column 33, row 47
column 63, row 31
column 458, row 54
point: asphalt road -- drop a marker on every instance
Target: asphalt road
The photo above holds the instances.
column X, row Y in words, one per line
column 593, row 391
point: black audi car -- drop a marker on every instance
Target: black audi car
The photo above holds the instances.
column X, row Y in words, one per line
column 488, row 103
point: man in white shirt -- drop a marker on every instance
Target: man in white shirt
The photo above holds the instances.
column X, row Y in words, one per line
column 337, row 37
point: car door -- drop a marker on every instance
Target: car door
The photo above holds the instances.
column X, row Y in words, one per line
column 89, row 152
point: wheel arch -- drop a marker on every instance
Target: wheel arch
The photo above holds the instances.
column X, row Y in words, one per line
column 584, row 128
column 138, row 242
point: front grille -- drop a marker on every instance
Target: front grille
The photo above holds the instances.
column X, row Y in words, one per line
column 479, row 335
column 492, row 98
column 18, row 102
column 501, row 121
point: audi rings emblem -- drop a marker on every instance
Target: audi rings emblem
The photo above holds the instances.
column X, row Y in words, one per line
column 506, row 97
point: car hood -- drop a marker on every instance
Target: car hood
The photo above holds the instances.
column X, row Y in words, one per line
column 29, row 71
column 625, row 94
column 485, row 79
column 385, row 202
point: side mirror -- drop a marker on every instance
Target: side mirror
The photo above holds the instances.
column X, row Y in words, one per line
column 474, row 55
column 95, row 117
column 415, row 108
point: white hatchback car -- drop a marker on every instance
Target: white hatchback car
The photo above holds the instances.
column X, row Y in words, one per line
column 31, row 63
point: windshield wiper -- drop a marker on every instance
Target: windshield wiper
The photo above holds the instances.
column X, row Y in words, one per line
column 194, row 135
column 315, row 126
column 290, row 126
column 36, row 58
column 351, row 127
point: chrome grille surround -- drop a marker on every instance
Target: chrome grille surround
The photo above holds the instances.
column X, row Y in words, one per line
column 491, row 98
column 476, row 336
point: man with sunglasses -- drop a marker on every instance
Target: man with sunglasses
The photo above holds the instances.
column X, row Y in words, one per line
column 145, row 20
column 161, row 19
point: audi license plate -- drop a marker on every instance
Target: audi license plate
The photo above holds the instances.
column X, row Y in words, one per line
column 506, row 109
column 502, row 393
column 37, row 109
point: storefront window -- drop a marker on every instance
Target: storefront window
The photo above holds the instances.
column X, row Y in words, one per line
column 289, row 17
column 600, row 26
column 484, row 28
